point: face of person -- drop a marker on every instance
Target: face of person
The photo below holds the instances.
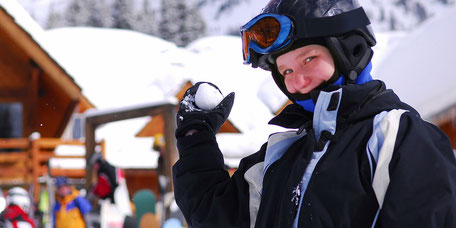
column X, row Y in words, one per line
column 64, row 190
column 305, row 68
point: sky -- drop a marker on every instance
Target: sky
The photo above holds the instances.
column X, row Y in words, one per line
column 119, row 69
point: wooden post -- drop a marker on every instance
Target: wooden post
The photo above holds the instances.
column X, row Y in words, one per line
column 171, row 155
column 33, row 99
column 35, row 153
column 90, row 149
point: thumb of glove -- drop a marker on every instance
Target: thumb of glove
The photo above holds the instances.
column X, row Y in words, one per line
column 220, row 113
column 225, row 105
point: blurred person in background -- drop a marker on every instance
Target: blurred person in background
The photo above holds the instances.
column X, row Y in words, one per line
column 111, row 188
column 71, row 209
column 18, row 207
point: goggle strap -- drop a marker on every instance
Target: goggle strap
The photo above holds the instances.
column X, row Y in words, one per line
column 337, row 24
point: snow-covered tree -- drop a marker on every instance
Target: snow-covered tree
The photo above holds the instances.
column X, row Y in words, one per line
column 180, row 23
column 122, row 14
column 146, row 21
column 55, row 18
column 421, row 12
column 393, row 22
column 194, row 26
column 77, row 13
column 99, row 14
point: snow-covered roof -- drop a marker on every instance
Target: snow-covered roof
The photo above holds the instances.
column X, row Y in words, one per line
column 420, row 69
column 24, row 20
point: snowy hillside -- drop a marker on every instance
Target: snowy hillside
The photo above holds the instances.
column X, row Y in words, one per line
column 420, row 68
column 226, row 16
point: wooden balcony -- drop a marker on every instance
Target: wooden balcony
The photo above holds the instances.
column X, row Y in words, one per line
column 24, row 160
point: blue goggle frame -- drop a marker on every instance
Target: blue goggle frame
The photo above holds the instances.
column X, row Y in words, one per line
column 283, row 38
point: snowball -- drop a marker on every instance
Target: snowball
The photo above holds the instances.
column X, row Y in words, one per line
column 207, row 96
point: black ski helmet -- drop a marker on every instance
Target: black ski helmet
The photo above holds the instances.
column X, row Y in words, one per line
column 340, row 25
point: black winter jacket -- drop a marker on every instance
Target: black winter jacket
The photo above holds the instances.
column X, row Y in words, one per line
column 324, row 176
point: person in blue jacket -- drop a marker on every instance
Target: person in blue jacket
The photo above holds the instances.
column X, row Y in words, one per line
column 355, row 155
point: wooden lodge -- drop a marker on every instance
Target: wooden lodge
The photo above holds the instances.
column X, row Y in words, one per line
column 37, row 101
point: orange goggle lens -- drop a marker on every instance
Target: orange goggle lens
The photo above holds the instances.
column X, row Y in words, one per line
column 264, row 33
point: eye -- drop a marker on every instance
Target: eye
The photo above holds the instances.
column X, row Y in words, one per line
column 287, row 71
column 310, row 59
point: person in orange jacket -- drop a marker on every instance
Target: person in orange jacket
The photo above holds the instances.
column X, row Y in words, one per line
column 71, row 209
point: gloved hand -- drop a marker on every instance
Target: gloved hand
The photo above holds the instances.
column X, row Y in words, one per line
column 191, row 117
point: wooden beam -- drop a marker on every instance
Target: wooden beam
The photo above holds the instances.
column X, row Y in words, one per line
column 21, row 143
column 14, row 93
column 33, row 87
column 52, row 143
column 70, row 173
column 34, row 153
column 127, row 113
column 90, row 149
column 13, row 171
column 13, row 157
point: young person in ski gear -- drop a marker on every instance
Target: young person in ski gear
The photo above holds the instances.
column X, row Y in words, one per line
column 16, row 212
column 71, row 209
column 355, row 155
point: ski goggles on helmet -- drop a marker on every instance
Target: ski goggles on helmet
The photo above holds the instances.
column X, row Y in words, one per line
column 269, row 32
column 265, row 34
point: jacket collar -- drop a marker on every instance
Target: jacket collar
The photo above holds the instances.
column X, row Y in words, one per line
column 364, row 77
column 357, row 102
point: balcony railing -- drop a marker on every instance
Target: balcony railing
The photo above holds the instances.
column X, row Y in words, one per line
column 24, row 160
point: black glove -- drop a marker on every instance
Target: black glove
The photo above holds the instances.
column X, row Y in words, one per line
column 190, row 116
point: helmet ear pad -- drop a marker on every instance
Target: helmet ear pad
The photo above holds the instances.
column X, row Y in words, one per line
column 351, row 52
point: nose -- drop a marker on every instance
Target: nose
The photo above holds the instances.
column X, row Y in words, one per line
column 301, row 77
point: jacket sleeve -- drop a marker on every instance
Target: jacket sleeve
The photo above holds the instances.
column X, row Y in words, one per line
column 204, row 191
column 422, row 188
